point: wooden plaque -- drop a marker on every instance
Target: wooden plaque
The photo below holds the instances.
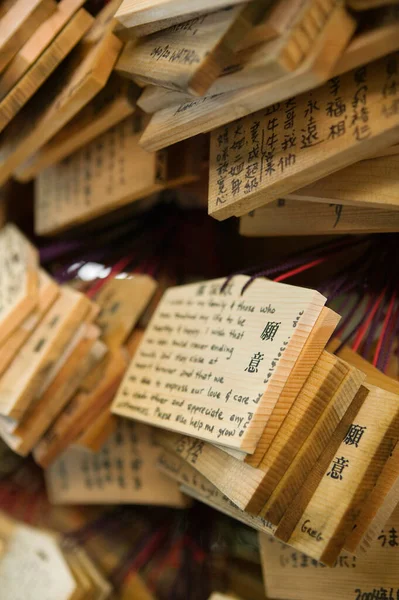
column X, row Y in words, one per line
column 19, row 23
column 217, row 387
column 138, row 12
column 296, row 142
column 19, row 281
column 113, row 104
column 337, row 501
column 290, row 217
column 123, row 472
column 47, row 62
column 33, row 366
column 40, row 39
column 81, row 355
column 108, row 173
column 122, row 301
column 189, row 118
column 81, row 411
column 86, row 73
column 292, row 575
column 48, row 293
column 368, row 183
column 190, row 56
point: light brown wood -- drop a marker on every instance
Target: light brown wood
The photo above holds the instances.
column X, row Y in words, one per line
column 368, row 183
column 85, row 74
column 18, row 24
column 48, row 293
column 63, row 199
column 311, row 351
column 212, row 387
column 374, row 376
column 19, row 280
column 154, row 98
column 330, row 383
column 98, row 432
column 291, row 217
column 132, row 476
column 112, row 105
column 291, row 575
column 309, row 453
column 80, row 357
column 332, row 511
column 378, row 507
column 122, row 301
column 137, row 12
column 317, row 144
column 44, row 66
column 40, row 39
column 80, row 412
column 387, row 152
column 272, row 60
column 197, row 486
column 33, row 367
column 190, row 56
column 133, row 33
column 178, row 122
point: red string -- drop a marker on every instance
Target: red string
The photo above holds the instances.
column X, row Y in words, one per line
column 116, row 269
column 363, row 330
column 384, row 329
column 305, row 267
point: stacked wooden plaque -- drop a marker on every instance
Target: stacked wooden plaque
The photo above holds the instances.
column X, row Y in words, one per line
column 38, row 562
column 62, row 356
column 203, row 71
column 277, row 432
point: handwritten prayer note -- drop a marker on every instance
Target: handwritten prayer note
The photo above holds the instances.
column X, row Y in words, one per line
column 212, row 364
column 18, row 279
column 292, row 143
column 123, row 471
column 188, row 56
column 374, row 575
column 108, row 173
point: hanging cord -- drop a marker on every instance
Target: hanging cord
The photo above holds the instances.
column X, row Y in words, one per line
column 363, row 329
column 385, row 328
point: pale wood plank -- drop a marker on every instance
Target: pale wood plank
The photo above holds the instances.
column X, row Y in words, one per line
column 306, row 457
column 113, row 104
column 122, row 301
column 137, row 12
column 132, row 478
column 368, row 183
column 21, row 384
column 338, row 500
column 48, row 293
column 18, row 24
column 40, row 39
column 178, row 122
column 189, row 57
column 209, row 388
column 312, row 349
column 47, row 62
column 19, row 281
column 80, row 412
column 291, row 575
column 120, row 172
column 290, row 217
column 86, row 73
column 80, row 357
column 319, row 142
